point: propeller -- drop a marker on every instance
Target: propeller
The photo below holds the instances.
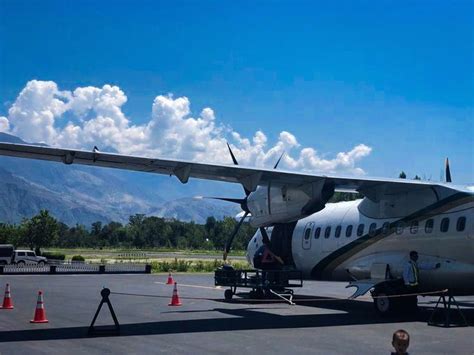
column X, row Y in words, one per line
column 243, row 204
column 447, row 171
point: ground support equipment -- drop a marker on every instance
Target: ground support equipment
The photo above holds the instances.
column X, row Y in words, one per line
column 263, row 283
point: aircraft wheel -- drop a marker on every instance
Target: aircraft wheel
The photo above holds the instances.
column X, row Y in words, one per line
column 228, row 294
column 383, row 304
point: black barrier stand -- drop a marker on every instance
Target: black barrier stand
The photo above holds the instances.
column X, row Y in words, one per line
column 105, row 293
column 447, row 313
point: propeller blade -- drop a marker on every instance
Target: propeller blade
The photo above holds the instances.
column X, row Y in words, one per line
column 232, row 155
column 241, row 201
column 448, row 171
column 228, row 199
column 232, row 236
column 247, row 192
column 278, row 161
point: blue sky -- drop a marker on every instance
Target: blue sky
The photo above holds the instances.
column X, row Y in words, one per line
column 397, row 77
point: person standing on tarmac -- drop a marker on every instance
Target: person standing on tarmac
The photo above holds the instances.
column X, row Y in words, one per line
column 411, row 272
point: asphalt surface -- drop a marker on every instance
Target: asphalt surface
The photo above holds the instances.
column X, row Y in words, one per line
column 205, row 324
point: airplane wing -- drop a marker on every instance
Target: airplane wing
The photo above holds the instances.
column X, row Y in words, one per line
column 249, row 177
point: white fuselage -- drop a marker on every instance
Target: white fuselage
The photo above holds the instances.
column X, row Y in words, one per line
column 324, row 247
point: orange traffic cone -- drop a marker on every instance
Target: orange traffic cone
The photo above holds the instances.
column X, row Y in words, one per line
column 40, row 313
column 175, row 299
column 170, row 279
column 7, row 300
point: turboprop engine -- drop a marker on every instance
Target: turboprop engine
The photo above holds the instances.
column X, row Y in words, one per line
column 280, row 203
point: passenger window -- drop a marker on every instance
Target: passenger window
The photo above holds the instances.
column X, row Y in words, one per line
column 386, row 228
column 30, row 254
column 307, row 233
column 349, row 231
column 338, row 231
column 461, row 224
column 21, row 253
column 429, row 226
column 317, row 233
column 414, row 227
column 372, row 229
column 360, row 229
column 327, row 232
column 444, row 225
column 400, row 227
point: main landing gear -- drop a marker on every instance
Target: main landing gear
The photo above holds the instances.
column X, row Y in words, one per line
column 391, row 297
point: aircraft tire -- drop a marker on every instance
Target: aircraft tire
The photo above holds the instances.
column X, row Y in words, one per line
column 383, row 304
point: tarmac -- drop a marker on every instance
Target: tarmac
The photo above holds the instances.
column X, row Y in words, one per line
column 322, row 322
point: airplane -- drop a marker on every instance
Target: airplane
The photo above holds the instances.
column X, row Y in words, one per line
column 365, row 242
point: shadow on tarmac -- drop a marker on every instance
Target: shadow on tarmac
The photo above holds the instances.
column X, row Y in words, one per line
column 352, row 313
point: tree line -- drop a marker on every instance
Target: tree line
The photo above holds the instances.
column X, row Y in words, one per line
column 141, row 232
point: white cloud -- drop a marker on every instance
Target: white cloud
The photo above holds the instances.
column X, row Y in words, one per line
column 94, row 117
column 4, row 124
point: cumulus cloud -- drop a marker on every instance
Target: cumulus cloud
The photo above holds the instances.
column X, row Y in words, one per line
column 89, row 116
column 4, row 124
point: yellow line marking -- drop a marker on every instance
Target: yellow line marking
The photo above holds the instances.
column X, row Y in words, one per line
column 196, row 286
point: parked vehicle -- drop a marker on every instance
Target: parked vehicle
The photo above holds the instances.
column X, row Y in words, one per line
column 22, row 257
column 6, row 253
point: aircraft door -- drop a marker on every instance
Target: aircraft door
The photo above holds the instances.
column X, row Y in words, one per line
column 308, row 232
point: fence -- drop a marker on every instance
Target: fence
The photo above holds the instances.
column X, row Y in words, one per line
column 76, row 268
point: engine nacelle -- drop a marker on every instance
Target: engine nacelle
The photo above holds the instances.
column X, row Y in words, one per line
column 282, row 203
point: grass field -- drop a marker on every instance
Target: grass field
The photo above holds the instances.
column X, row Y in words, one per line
column 161, row 260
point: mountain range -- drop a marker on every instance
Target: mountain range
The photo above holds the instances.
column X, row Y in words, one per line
column 77, row 194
